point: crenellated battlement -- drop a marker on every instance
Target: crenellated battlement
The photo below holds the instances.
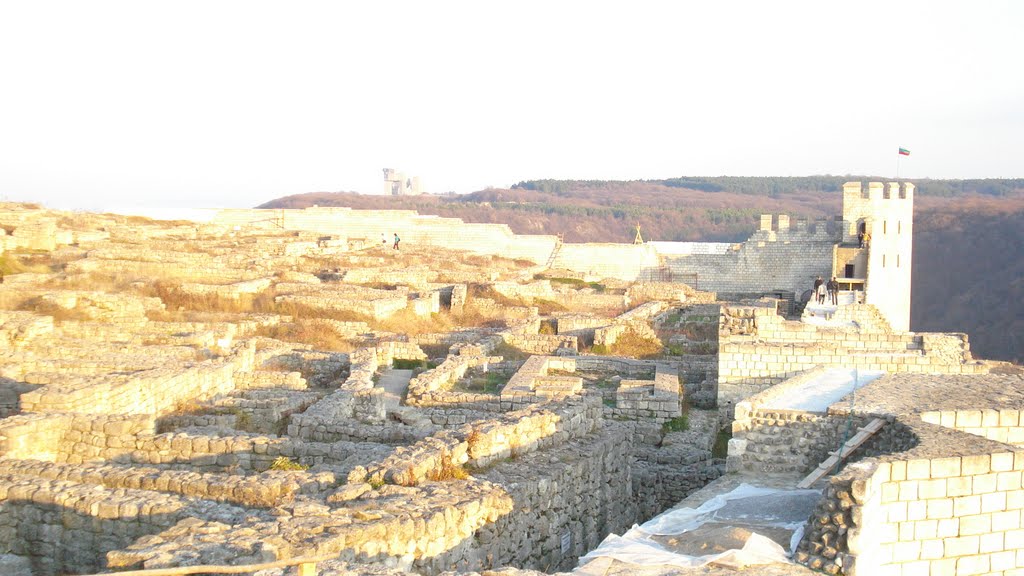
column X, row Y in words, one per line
column 856, row 191
column 783, row 227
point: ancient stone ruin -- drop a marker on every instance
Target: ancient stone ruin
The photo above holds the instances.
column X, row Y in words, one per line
column 272, row 385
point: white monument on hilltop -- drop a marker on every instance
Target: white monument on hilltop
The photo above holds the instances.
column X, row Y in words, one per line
column 397, row 184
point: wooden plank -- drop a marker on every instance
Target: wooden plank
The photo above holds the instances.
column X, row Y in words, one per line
column 845, row 450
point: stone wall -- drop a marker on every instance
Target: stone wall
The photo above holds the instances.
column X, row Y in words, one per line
column 155, row 391
column 496, row 239
column 769, row 261
column 955, row 513
column 658, row 400
column 1003, row 425
column 765, row 349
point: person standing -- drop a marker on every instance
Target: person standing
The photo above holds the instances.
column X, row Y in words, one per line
column 397, row 240
column 821, row 293
column 817, row 284
column 833, row 291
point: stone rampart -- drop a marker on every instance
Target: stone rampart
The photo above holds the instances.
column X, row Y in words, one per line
column 452, row 233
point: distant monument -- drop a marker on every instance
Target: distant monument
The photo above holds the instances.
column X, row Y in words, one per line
column 397, row 184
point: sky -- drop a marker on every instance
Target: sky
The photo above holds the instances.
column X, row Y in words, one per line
column 107, row 104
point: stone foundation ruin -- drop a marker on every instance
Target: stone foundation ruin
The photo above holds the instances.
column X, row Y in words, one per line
column 242, row 391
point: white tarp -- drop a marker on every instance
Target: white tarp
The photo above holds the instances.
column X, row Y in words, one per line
column 637, row 546
column 818, row 394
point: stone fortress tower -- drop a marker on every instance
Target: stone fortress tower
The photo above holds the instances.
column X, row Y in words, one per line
column 398, row 184
column 885, row 213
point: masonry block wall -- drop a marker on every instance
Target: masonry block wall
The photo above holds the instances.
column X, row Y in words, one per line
column 927, row 515
column 764, row 265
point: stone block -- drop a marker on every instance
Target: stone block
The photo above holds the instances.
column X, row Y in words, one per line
column 932, row 549
column 945, row 467
column 959, row 486
column 906, row 551
column 1002, row 461
column 1008, row 481
column 1009, row 417
column 984, row 483
column 993, row 502
column 944, row 567
column 940, row 508
column 966, row 506
column 976, row 524
column 974, row 465
column 908, row 490
column 917, row 510
column 919, row 469
column 948, row 527
column 972, row 565
column 929, row 489
column 991, row 543
column 968, row 419
column 961, row 546
column 1003, row 561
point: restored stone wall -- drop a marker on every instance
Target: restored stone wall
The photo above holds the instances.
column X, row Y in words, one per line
column 1003, row 425
column 958, row 513
column 763, row 263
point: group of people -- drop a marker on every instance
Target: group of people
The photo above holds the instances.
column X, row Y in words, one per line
column 822, row 288
column 864, row 239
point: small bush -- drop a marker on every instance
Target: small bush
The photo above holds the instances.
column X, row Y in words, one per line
column 287, row 464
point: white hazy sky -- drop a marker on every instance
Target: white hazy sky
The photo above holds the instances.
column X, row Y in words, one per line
column 216, row 103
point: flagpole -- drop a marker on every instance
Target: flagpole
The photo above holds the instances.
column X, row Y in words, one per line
column 898, row 157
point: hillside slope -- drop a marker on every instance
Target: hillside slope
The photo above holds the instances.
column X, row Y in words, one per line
column 968, row 250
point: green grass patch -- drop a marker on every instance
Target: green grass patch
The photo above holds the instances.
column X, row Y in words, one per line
column 677, row 424
column 489, row 383
column 410, row 364
column 721, row 447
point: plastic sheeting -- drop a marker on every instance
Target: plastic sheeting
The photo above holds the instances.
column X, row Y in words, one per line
column 818, row 394
column 746, row 504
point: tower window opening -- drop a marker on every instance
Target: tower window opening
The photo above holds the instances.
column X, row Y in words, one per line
column 897, row 260
column 849, row 271
column 883, row 260
column 899, row 226
column 885, row 226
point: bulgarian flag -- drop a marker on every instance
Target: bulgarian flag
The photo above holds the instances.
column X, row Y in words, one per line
column 904, row 152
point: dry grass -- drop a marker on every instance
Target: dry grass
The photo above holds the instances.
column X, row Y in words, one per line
column 407, row 322
column 96, row 282
column 11, row 263
column 633, row 345
column 447, row 470
column 267, row 304
column 317, row 333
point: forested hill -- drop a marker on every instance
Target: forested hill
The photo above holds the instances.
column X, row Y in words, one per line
column 968, row 246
